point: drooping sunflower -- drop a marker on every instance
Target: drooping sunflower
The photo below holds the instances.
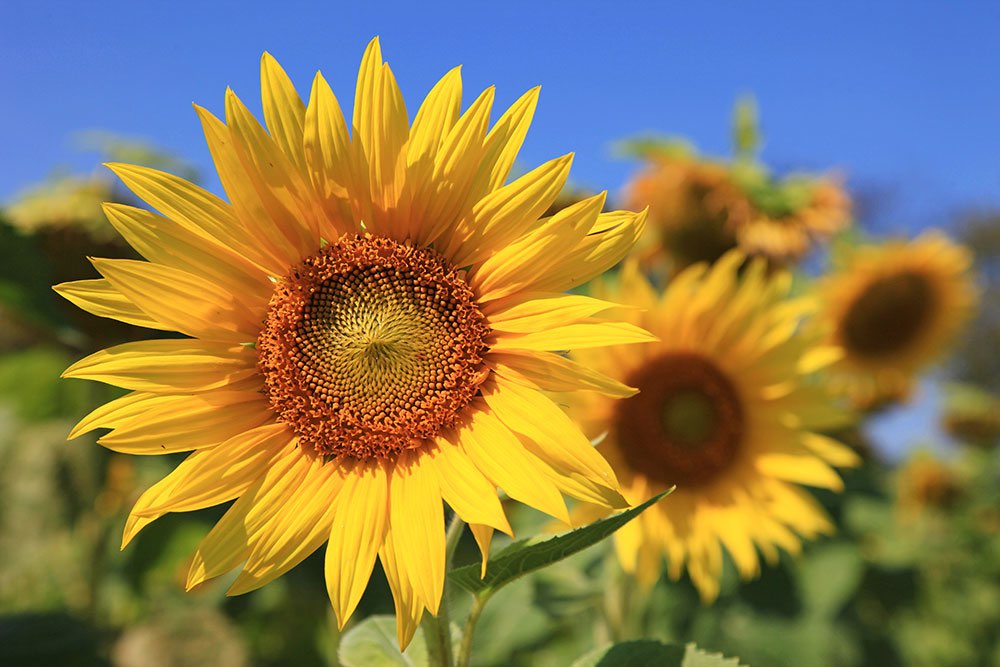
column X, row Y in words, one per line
column 893, row 308
column 783, row 219
column 354, row 316
column 727, row 411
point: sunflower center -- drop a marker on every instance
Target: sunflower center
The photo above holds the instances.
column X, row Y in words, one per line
column 371, row 347
column 686, row 423
column 888, row 316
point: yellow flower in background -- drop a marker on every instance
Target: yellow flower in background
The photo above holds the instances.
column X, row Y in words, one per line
column 894, row 308
column 700, row 209
column 727, row 410
column 355, row 315
column 925, row 483
column 689, row 202
column 783, row 220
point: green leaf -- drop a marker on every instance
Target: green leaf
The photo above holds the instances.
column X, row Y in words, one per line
column 372, row 643
column 650, row 652
column 525, row 556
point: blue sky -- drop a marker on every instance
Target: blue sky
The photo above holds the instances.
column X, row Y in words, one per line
column 900, row 96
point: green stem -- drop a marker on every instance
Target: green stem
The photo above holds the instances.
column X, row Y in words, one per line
column 465, row 650
column 437, row 629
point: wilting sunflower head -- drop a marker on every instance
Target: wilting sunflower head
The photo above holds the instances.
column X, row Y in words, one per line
column 893, row 308
column 371, row 318
column 690, row 202
column 727, row 410
column 783, row 219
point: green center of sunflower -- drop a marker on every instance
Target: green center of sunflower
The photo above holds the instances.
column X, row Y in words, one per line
column 371, row 347
column 685, row 426
column 888, row 316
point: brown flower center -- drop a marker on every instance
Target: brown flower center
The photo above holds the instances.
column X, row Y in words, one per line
column 371, row 347
column 686, row 423
column 888, row 316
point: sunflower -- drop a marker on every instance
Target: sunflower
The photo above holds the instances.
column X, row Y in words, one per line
column 689, row 200
column 727, row 411
column 782, row 220
column 357, row 319
column 700, row 209
column 893, row 308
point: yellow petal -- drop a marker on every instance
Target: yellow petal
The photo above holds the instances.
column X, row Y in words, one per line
column 284, row 111
column 557, row 441
column 294, row 533
column 195, row 209
column 536, row 311
column 409, row 611
column 116, row 412
column 553, row 372
column 466, row 490
column 483, row 535
column 187, row 303
column 435, row 118
column 358, row 529
column 164, row 242
column 449, row 196
column 328, row 152
column 211, row 476
column 416, row 514
column 189, row 422
column 804, row 468
column 609, row 241
column 576, row 336
column 165, row 365
column 228, row 543
column 505, row 139
column 831, row 451
column 505, row 215
column 501, row 457
column 528, row 259
column 99, row 298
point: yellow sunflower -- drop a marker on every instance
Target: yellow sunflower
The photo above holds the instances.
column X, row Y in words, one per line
column 355, row 314
column 689, row 202
column 893, row 308
column 726, row 410
column 782, row 220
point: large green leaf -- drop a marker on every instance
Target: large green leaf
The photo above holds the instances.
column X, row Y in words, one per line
column 645, row 652
column 372, row 643
column 525, row 556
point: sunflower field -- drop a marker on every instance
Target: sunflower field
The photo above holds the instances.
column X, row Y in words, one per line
column 372, row 386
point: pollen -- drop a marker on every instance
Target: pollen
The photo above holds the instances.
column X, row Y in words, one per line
column 686, row 424
column 372, row 347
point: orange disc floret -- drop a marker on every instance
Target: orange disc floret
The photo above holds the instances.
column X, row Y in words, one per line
column 371, row 347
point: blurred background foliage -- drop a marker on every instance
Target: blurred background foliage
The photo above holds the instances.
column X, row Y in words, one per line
column 911, row 578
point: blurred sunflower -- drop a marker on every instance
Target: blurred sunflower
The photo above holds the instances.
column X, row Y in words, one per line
column 924, row 484
column 893, row 308
column 783, row 219
column 355, row 314
column 726, row 410
column 689, row 202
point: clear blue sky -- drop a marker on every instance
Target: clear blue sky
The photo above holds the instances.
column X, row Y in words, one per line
column 902, row 96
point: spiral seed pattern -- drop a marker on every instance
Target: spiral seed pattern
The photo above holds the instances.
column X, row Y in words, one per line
column 371, row 347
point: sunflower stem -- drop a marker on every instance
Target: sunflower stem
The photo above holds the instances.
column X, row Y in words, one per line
column 465, row 650
column 437, row 629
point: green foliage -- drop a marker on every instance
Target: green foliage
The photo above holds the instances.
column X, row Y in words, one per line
column 649, row 652
column 372, row 643
column 526, row 556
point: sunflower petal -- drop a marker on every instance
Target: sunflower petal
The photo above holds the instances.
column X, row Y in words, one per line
column 501, row 457
column 466, row 490
column 576, row 336
column 358, row 530
column 284, row 111
column 552, row 372
column 186, row 302
column 99, row 298
column 167, row 365
column 409, row 610
column 417, row 517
